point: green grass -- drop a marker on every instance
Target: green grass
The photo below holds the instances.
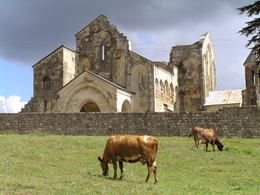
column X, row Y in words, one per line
column 41, row 164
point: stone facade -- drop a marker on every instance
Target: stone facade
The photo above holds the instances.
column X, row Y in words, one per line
column 104, row 75
column 251, row 95
column 227, row 122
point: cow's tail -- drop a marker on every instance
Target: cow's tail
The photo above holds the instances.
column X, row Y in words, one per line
column 156, row 145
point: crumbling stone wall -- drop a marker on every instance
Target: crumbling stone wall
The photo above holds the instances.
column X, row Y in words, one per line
column 189, row 60
column 100, row 42
column 197, row 72
column 227, row 122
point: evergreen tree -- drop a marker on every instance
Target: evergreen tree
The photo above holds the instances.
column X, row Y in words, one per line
column 253, row 27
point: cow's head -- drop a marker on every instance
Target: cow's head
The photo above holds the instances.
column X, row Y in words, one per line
column 220, row 146
column 104, row 166
column 191, row 132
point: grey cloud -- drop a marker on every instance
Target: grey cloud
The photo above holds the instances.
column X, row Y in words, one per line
column 31, row 29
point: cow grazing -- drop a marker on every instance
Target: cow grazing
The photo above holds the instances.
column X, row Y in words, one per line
column 130, row 148
column 205, row 136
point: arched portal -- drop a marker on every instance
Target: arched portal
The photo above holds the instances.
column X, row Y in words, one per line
column 90, row 107
column 126, row 107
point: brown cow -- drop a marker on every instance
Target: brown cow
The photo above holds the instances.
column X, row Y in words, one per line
column 130, row 148
column 205, row 136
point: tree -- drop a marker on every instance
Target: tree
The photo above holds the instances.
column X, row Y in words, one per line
column 253, row 27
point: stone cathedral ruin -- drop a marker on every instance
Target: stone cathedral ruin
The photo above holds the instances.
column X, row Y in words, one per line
column 104, row 75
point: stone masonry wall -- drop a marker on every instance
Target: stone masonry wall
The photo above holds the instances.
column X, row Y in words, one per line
column 227, row 122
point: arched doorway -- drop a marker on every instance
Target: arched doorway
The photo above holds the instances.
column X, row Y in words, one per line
column 126, row 107
column 90, row 107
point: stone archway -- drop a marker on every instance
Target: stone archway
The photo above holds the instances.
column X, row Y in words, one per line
column 90, row 107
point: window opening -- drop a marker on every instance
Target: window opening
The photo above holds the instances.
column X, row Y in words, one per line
column 46, row 83
column 103, row 52
column 253, row 77
column 253, row 101
column 259, row 77
column 45, row 105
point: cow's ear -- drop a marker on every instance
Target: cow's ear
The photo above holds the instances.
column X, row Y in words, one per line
column 99, row 158
column 223, row 143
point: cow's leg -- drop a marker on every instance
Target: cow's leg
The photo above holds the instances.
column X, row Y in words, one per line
column 214, row 148
column 155, row 173
column 148, row 167
column 115, row 167
column 196, row 144
column 207, row 147
column 213, row 145
column 121, row 168
column 152, row 169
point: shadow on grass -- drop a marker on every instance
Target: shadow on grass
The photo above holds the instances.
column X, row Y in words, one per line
column 118, row 179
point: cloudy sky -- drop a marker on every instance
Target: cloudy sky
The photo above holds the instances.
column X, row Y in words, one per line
column 31, row 29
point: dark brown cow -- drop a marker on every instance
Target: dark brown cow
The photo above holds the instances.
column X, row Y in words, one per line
column 205, row 136
column 130, row 148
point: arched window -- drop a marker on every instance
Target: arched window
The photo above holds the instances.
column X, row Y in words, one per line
column 46, row 83
column 171, row 93
column 162, row 88
column 166, row 88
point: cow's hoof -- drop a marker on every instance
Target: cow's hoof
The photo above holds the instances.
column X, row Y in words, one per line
column 114, row 178
column 156, row 182
column 121, row 178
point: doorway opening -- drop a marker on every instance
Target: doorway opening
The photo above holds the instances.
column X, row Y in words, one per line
column 90, row 107
column 126, row 107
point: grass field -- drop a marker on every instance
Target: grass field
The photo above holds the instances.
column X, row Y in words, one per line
column 41, row 164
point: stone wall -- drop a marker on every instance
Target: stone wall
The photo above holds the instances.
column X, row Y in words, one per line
column 227, row 122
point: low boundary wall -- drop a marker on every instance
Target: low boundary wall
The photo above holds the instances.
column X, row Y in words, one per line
column 227, row 122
